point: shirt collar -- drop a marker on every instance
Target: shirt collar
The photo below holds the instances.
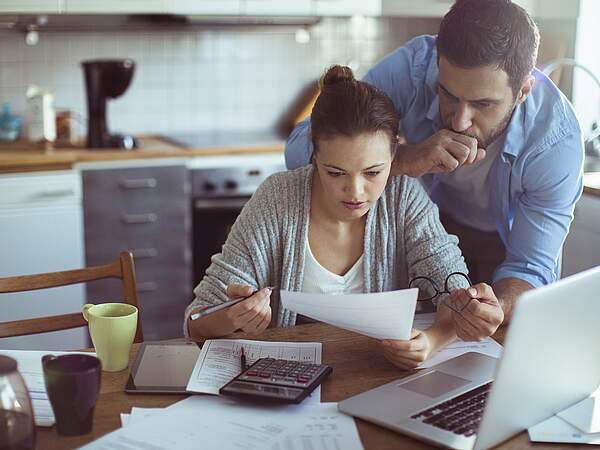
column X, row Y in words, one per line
column 514, row 135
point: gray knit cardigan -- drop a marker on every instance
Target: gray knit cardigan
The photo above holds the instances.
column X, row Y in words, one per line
column 266, row 246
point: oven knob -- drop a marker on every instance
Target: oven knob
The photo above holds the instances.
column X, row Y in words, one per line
column 231, row 185
column 209, row 187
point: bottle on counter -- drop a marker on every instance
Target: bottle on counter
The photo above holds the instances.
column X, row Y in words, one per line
column 10, row 125
column 42, row 117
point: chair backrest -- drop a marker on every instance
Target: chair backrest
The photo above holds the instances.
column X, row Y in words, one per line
column 122, row 268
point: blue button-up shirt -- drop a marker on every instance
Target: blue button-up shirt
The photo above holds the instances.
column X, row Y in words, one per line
column 534, row 182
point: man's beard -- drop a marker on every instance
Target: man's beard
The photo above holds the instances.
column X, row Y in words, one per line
column 493, row 134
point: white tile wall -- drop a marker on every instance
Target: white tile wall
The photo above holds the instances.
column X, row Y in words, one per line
column 215, row 79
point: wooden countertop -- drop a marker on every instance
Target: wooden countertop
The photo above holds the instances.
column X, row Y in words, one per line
column 22, row 157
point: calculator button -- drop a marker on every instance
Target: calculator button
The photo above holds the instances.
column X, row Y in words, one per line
column 265, row 374
column 303, row 379
column 252, row 373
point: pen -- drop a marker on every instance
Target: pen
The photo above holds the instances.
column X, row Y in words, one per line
column 243, row 360
column 213, row 309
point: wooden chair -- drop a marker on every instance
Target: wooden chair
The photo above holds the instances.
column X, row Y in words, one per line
column 122, row 268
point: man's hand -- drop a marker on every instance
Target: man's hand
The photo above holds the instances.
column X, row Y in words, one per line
column 407, row 354
column 482, row 314
column 445, row 151
column 252, row 315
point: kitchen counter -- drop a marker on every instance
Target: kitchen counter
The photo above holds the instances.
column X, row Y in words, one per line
column 591, row 183
column 23, row 157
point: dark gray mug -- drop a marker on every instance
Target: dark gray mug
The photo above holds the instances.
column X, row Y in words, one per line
column 72, row 383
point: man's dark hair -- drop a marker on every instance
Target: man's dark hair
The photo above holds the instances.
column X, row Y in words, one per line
column 477, row 33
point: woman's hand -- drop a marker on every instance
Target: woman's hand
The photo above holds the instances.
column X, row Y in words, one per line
column 252, row 315
column 408, row 354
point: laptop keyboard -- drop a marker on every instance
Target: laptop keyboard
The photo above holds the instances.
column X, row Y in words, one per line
column 459, row 415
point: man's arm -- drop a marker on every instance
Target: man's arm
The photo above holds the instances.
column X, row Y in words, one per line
column 507, row 291
column 551, row 184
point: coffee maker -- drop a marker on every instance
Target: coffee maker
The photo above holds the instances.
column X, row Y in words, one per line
column 104, row 79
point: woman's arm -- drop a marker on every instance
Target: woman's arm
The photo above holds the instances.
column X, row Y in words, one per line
column 243, row 266
column 422, row 344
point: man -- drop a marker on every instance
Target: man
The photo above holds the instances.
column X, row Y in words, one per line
column 496, row 145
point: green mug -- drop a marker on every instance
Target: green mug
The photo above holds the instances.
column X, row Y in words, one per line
column 112, row 327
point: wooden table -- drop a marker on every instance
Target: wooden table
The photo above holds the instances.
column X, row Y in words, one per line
column 357, row 367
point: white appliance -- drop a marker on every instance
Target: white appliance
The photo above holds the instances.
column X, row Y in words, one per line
column 41, row 230
column 550, row 361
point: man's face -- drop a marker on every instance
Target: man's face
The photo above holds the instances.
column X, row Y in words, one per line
column 477, row 102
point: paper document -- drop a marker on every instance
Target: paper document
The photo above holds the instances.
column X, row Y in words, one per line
column 585, row 414
column 488, row 346
column 557, row 430
column 30, row 366
column 219, row 360
column 381, row 315
column 218, row 422
column 139, row 413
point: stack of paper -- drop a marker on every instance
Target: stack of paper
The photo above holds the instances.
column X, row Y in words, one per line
column 381, row 315
column 219, row 361
column 217, row 422
column 579, row 423
column 30, row 366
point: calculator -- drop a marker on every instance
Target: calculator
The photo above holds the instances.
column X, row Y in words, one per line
column 277, row 380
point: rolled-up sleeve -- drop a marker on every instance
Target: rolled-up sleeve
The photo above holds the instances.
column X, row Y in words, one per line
column 552, row 184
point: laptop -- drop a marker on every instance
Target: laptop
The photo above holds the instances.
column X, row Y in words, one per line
column 550, row 361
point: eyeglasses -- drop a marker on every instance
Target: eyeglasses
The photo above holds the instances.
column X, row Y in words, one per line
column 429, row 285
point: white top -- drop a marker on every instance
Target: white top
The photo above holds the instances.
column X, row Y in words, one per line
column 469, row 185
column 317, row 279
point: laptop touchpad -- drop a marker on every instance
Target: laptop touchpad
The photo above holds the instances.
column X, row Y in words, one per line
column 434, row 384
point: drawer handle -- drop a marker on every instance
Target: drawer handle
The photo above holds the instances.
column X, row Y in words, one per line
column 144, row 253
column 148, row 286
column 140, row 183
column 58, row 193
column 130, row 219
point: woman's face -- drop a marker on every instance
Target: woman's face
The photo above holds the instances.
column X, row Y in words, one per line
column 353, row 172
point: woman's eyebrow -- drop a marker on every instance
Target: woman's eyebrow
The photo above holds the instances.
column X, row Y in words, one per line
column 344, row 170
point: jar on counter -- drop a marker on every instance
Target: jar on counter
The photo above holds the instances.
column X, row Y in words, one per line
column 17, row 428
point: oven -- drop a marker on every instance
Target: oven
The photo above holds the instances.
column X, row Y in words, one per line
column 221, row 186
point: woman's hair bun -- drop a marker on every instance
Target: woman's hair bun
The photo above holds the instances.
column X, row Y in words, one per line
column 337, row 74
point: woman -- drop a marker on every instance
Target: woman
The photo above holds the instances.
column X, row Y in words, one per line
column 340, row 225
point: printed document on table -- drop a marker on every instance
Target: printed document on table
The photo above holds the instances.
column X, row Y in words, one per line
column 585, row 414
column 218, row 422
column 219, row 360
column 558, row 430
column 488, row 346
column 30, row 367
column 381, row 315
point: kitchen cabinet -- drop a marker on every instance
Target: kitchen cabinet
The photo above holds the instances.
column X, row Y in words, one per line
column 116, row 7
column 542, row 9
column 145, row 210
column 277, row 7
column 347, row 7
column 41, row 223
column 31, row 6
column 205, row 7
column 582, row 246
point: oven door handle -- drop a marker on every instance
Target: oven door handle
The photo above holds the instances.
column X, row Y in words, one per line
column 219, row 203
